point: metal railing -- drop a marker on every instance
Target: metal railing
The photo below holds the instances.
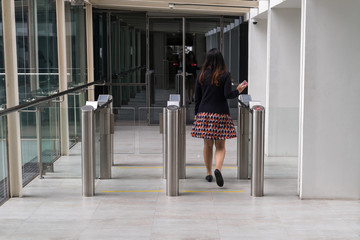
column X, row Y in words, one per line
column 47, row 98
column 42, row 157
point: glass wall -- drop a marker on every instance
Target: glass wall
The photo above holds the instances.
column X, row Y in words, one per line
column 36, row 36
column 119, row 53
column 77, row 66
column 2, row 66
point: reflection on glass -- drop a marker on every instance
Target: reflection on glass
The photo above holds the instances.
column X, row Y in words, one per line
column 3, row 161
column 76, row 47
column 165, row 58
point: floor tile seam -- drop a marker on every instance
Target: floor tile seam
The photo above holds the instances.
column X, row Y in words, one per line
column 154, row 216
column 216, row 216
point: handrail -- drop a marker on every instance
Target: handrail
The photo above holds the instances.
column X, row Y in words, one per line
column 47, row 98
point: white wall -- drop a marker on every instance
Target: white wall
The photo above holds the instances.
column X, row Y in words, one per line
column 283, row 81
column 330, row 97
column 257, row 60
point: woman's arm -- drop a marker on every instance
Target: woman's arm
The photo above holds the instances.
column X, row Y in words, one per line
column 228, row 92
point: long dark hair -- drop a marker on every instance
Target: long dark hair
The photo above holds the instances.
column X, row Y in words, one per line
column 215, row 63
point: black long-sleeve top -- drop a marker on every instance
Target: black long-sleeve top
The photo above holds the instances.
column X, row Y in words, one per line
column 211, row 98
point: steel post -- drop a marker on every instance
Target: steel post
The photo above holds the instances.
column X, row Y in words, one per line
column 88, row 151
column 172, row 122
column 257, row 179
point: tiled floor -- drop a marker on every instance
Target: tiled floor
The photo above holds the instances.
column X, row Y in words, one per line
column 53, row 208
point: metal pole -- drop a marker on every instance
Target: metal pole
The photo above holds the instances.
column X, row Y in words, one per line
column 183, row 62
column 88, row 150
column 182, row 144
column 38, row 138
column 105, row 144
column 165, row 143
column 243, row 141
column 172, row 122
column 257, row 180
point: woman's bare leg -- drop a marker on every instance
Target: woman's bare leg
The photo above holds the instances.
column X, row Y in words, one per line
column 219, row 153
column 208, row 154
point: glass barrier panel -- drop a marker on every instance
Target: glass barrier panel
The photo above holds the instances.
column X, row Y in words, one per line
column 75, row 102
column 50, row 135
column 97, row 143
column 3, row 161
column 148, row 128
column 29, row 152
column 124, row 130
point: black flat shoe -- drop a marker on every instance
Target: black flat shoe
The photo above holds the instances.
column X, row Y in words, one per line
column 209, row 178
column 219, row 178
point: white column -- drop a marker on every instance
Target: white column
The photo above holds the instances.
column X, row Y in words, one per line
column 12, row 98
column 257, row 62
column 283, row 81
column 257, row 59
column 329, row 100
column 61, row 37
column 90, row 51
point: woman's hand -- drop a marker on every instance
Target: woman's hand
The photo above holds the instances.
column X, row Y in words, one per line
column 241, row 87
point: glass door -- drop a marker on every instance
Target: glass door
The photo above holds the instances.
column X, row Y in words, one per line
column 165, row 59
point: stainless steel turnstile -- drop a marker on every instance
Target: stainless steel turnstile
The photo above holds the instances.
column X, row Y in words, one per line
column 103, row 107
column 174, row 160
column 250, row 144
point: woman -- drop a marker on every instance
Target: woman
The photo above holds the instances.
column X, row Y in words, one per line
column 212, row 118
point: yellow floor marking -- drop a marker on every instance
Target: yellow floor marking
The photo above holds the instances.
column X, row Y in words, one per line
column 138, row 167
column 206, row 191
column 135, row 191
column 155, row 191
column 162, row 167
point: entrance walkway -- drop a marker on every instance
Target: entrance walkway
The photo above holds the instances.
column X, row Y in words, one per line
column 133, row 204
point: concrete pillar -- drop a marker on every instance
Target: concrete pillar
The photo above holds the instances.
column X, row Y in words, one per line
column 61, row 37
column 90, row 51
column 12, row 98
column 329, row 100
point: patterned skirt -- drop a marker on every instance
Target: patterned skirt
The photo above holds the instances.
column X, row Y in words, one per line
column 213, row 126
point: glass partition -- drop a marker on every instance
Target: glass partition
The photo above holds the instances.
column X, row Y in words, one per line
column 50, row 135
column 36, row 38
column 29, row 152
column 124, row 130
column 97, row 143
column 165, row 58
column 50, row 139
column 75, row 102
column 3, row 161
column 148, row 128
column 2, row 63
column 76, row 47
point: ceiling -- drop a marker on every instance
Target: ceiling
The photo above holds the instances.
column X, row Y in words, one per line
column 184, row 7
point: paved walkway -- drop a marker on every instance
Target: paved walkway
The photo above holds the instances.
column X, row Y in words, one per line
column 133, row 205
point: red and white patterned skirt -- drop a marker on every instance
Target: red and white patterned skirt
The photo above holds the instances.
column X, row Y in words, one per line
column 213, row 126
